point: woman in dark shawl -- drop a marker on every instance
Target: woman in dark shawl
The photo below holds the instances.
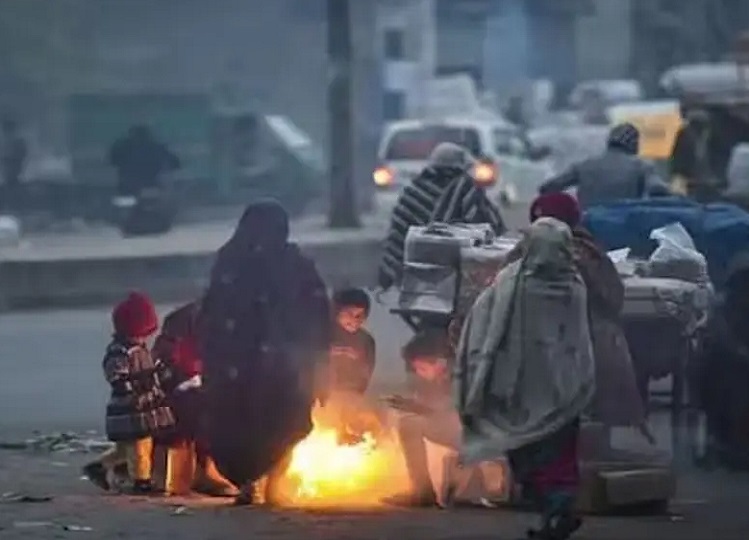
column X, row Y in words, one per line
column 264, row 327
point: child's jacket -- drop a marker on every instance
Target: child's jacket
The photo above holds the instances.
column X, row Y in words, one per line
column 137, row 407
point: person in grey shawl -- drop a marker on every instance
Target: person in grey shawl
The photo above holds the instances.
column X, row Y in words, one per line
column 443, row 192
column 616, row 174
column 525, row 373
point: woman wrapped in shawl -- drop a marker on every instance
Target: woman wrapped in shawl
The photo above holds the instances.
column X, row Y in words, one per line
column 264, row 327
column 524, row 374
column 617, row 401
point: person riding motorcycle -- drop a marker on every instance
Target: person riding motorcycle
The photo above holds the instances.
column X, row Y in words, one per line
column 616, row 174
column 443, row 192
column 140, row 160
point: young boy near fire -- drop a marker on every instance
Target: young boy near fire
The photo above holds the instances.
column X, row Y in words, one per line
column 351, row 363
column 427, row 413
column 137, row 411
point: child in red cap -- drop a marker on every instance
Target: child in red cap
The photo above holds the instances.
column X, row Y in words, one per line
column 137, row 410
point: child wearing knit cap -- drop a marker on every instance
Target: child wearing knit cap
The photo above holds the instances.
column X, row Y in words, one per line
column 137, row 410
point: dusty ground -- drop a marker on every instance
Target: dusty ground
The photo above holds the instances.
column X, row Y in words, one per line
column 711, row 507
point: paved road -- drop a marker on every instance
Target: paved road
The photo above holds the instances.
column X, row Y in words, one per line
column 51, row 373
column 51, row 366
column 51, row 380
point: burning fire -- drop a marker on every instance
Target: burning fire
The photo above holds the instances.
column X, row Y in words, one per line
column 326, row 471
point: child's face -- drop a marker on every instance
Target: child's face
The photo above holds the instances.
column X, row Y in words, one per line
column 351, row 318
column 430, row 368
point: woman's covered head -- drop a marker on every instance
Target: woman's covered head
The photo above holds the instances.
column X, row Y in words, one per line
column 264, row 223
column 450, row 156
column 549, row 246
column 561, row 206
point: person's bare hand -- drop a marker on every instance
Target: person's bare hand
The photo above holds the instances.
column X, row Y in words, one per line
column 405, row 404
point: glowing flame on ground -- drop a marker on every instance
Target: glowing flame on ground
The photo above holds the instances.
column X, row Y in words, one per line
column 325, row 471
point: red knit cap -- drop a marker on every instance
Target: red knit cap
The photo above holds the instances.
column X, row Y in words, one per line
column 561, row 206
column 135, row 317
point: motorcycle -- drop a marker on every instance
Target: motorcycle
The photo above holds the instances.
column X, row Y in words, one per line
column 148, row 212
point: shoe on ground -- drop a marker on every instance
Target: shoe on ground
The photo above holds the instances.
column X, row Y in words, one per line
column 145, row 488
column 246, row 496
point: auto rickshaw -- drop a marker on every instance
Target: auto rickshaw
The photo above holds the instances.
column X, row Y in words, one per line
column 721, row 91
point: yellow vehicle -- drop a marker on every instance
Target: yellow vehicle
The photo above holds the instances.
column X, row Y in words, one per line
column 658, row 122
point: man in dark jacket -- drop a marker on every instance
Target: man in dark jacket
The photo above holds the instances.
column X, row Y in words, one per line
column 443, row 192
column 140, row 161
column 616, row 174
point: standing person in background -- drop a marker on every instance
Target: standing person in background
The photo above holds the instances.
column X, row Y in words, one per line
column 692, row 173
column 443, row 192
column 13, row 156
column 515, row 111
column 616, row 174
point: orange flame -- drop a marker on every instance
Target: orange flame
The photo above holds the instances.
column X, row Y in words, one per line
column 325, row 471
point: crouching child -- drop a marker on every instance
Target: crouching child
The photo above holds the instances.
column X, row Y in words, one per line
column 137, row 411
column 351, row 364
column 426, row 414
column 188, row 463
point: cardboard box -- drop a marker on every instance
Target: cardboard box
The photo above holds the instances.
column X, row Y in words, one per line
column 608, row 487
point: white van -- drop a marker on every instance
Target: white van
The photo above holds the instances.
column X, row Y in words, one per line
column 506, row 160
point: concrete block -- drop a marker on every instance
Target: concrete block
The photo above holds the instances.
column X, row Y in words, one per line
column 69, row 282
column 608, row 487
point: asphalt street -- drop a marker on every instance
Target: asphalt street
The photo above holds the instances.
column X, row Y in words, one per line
column 51, row 381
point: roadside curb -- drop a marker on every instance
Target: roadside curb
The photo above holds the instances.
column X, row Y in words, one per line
column 168, row 277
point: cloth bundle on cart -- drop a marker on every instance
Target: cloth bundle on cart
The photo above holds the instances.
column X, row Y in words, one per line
column 447, row 265
column 720, row 231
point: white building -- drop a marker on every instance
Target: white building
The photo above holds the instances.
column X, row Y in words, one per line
column 407, row 36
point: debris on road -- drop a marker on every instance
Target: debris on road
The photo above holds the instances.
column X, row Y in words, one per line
column 78, row 528
column 181, row 511
column 11, row 497
column 32, row 524
column 65, row 442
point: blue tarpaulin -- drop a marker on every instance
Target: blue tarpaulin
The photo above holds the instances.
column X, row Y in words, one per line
column 720, row 231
